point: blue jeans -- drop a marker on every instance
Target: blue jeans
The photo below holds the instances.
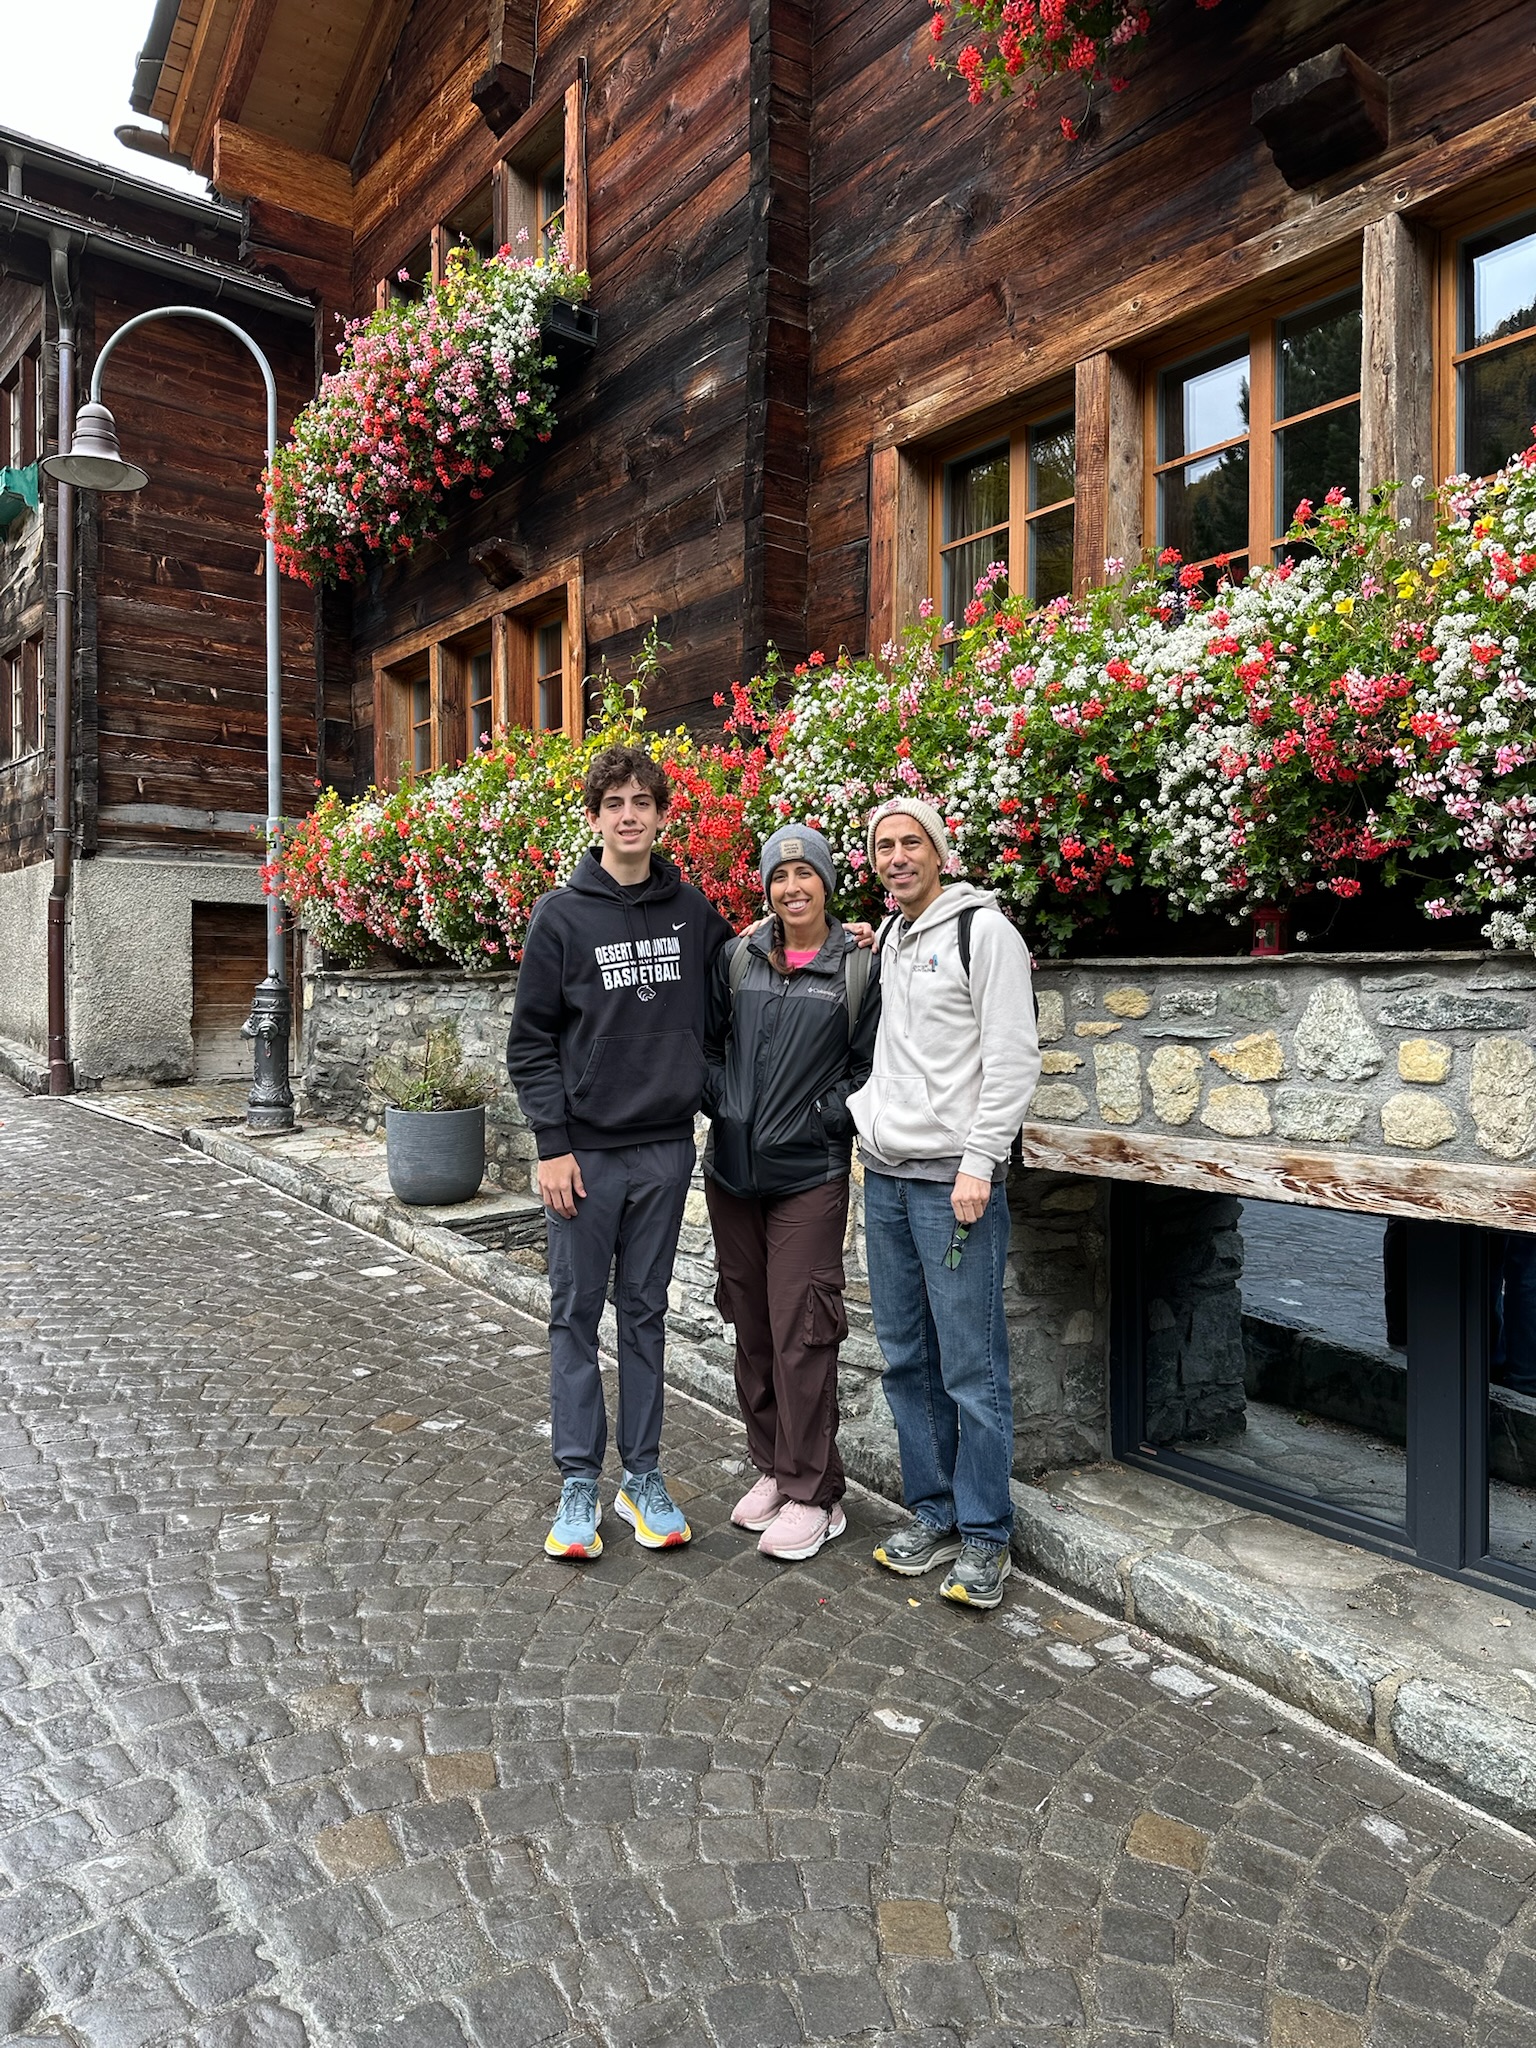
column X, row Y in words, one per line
column 946, row 1352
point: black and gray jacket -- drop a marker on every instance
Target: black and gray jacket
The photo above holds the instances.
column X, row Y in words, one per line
column 782, row 1066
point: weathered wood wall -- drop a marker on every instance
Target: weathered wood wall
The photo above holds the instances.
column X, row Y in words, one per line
column 966, row 257
column 24, row 593
column 647, row 477
column 175, row 716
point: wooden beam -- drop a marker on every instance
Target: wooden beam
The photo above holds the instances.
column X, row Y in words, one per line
column 184, row 117
column 251, row 166
column 365, row 74
column 242, row 53
column 898, row 541
column 1495, row 1197
column 505, row 87
column 1397, row 365
column 1107, row 520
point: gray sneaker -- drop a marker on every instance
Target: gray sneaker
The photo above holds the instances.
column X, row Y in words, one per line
column 977, row 1579
column 917, row 1549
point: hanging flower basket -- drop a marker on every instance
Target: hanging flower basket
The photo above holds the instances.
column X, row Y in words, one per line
column 430, row 394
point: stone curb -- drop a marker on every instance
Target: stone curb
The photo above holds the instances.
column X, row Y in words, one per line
column 1462, row 1744
column 21, row 1064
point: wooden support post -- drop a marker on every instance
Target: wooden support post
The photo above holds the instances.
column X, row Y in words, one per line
column 1397, row 366
column 898, row 541
column 1107, row 523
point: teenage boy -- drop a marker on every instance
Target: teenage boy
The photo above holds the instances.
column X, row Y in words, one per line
column 956, row 1061
column 606, row 1055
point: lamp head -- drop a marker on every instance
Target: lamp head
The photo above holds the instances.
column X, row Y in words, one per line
column 94, row 461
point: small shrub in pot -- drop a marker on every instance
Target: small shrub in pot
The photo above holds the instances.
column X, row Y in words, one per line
column 434, row 1121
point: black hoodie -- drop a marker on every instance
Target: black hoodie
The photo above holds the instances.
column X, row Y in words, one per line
column 606, row 1045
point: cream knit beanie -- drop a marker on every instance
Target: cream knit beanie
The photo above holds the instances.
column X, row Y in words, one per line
column 910, row 807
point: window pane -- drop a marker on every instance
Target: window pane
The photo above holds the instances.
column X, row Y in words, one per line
column 1498, row 284
column 1206, row 402
column 963, row 569
column 1203, row 508
column 421, row 727
column 479, row 698
column 1052, row 461
column 472, row 223
column 1512, row 1398
column 976, row 495
column 1498, row 406
column 1318, row 358
column 551, row 205
column 549, row 660
column 1312, row 458
column 1050, row 555
column 1273, row 1346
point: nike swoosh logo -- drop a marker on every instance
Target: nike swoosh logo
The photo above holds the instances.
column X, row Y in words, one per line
column 678, row 927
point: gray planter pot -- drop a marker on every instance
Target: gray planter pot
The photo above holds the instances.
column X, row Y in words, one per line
column 435, row 1156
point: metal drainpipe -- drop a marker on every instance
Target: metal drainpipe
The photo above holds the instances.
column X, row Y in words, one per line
column 61, row 1072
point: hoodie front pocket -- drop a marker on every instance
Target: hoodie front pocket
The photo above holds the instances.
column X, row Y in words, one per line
column 635, row 1081
column 904, row 1124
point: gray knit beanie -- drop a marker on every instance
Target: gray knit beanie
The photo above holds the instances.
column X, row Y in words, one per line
column 910, row 807
column 798, row 842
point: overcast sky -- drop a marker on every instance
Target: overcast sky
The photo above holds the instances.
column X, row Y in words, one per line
column 65, row 77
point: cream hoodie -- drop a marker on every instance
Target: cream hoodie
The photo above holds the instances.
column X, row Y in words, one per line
column 955, row 1064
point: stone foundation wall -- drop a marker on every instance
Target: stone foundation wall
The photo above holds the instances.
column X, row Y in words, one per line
column 1057, row 1285
column 1418, row 1053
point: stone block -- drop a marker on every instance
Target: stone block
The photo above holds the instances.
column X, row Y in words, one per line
column 1072, row 1549
column 1174, row 1073
column 1472, row 1749
column 1333, row 1041
column 1154, row 1838
column 1127, row 1002
column 1258, row 1057
column 1445, row 1009
column 1417, row 1122
column 1503, row 1096
column 1060, row 1062
column 1058, row 1102
column 1253, row 1631
column 1320, row 1116
column 1423, row 1059
column 1117, row 1083
column 1237, row 1111
column 1051, row 1022
column 1095, row 1027
column 1175, row 1003
column 357, row 1848
column 1255, row 1002
column 913, row 1927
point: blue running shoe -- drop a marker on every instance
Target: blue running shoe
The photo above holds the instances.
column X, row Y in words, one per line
column 574, row 1534
column 658, row 1521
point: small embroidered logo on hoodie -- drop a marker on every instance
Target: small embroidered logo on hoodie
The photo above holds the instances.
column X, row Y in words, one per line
column 928, row 966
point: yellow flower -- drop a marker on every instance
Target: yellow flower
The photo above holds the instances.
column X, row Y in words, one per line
column 1345, row 607
column 1407, row 583
column 1313, row 630
column 1439, row 567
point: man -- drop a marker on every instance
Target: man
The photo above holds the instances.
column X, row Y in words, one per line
column 606, row 1054
column 956, row 1061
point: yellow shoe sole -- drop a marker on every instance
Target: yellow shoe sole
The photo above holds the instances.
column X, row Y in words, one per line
column 652, row 1539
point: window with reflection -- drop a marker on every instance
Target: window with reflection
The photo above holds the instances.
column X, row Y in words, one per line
column 1245, row 431
column 1010, row 501
column 549, row 673
column 1495, row 355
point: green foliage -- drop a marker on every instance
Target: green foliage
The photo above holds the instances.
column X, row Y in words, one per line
column 439, row 1079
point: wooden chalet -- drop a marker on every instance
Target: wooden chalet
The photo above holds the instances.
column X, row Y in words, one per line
column 143, row 832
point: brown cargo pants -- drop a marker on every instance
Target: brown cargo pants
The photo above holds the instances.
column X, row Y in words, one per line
column 781, row 1283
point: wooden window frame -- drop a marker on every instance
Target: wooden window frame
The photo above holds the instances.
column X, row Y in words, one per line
column 1448, row 354
column 555, row 126
column 512, row 616
column 1021, row 515
column 1259, row 330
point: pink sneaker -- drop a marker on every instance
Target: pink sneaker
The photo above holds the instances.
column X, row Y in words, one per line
column 755, row 1510
column 799, row 1530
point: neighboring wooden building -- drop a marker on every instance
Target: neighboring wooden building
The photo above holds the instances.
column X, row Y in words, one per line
column 167, row 736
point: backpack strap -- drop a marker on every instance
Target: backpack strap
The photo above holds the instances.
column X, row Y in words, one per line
column 856, row 964
column 963, row 925
column 740, row 961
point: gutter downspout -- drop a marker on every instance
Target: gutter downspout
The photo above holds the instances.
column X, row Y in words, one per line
column 61, row 1072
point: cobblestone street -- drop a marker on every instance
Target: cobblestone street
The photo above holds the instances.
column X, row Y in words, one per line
column 302, row 1739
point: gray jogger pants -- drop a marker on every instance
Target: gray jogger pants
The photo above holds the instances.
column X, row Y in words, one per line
column 632, row 1210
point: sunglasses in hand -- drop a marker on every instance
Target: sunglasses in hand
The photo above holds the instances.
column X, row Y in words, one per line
column 956, row 1245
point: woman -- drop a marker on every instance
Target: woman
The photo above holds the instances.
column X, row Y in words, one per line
column 794, row 1007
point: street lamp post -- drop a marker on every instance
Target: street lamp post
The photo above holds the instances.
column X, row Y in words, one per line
column 94, row 463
